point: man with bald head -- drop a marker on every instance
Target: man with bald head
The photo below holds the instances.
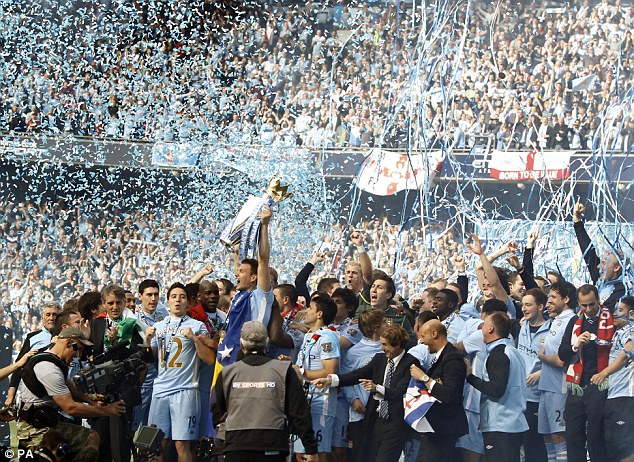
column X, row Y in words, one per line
column 207, row 312
column 444, row 381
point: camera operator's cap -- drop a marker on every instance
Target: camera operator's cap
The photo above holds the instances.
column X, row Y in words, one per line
column 254, row 331
column 76, row 334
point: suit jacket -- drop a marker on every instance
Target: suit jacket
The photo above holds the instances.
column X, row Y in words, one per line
column 447, row 416
column 98, row 332
column 375, row 371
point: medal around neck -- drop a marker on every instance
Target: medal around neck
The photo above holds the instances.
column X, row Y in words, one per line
column 244, row 229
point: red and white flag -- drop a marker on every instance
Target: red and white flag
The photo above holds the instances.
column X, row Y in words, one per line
column 526, row 166
column 385, row 173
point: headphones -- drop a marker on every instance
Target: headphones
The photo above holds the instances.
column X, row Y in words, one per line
column 63, row 449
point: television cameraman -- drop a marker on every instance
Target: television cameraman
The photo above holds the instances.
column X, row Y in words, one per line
column 44, row 390
column 273, row 388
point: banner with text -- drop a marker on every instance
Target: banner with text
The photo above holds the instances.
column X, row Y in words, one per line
column 531, row 165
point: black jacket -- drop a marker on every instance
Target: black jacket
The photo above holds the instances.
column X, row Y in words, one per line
column 301, row 280
column 375, row 371
column 98, row 332
column 447, row 416
column 590, row 351
column 528, row 271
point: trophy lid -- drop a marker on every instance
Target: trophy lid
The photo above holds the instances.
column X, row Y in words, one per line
column 277, row 190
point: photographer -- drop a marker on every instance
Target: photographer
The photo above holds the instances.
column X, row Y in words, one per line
column 44, row 390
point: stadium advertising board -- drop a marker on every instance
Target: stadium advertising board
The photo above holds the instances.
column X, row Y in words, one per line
column 517, row 166
column 531, row 165
column 480, row 163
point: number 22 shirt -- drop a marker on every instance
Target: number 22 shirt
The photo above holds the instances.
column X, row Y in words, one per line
column 178, row 362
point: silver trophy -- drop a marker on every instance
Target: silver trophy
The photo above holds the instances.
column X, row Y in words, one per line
column 244, row 229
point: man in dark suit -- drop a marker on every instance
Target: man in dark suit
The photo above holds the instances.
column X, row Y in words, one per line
column 104, row 334
column 445, row 382
column 386, row 377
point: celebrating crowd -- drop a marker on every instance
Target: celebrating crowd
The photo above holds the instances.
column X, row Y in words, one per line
column 321, row 75
column 385, row 341
column 51, row 251
column 526, row 362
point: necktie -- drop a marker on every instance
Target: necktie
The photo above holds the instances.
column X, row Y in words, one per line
column 383, row 407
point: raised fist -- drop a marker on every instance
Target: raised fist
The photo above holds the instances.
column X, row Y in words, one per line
column 357, row 239
column 265, row 215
